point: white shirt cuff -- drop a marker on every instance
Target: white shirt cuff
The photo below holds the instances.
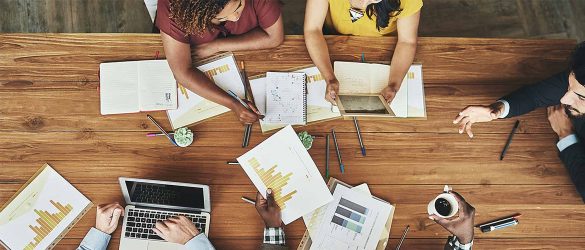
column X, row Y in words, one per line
column 567, row 141
column 95, row 240
column 199, row 242
column 506, row 108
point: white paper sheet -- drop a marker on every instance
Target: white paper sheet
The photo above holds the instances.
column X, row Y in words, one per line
column 119, row 88
column 283, row 164
column 158, row 88
column 354, row 220
column 193, row 108
column 285, row 98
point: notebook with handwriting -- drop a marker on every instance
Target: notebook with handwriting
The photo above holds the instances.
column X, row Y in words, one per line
column 130, row 87
column 286, row 100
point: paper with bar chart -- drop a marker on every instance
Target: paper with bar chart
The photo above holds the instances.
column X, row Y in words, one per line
column 283, row 164
column 43, row 210
column 354, row 220
column 192, row 108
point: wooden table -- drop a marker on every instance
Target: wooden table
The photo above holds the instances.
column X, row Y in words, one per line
column 49, row 112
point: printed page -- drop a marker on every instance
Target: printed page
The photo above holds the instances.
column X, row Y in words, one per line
column 193, row 108
column 282, row 163
column 285, row 98
column 158, row 88
column 416, row 92
column 41, row 212
column 399, row 104
column 119, row 88
column 354, row 220
column 354, row 78
column 318, row 108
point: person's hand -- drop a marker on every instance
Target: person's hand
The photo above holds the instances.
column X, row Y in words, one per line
column 107, row 217
column 268, row 209
column 205, row 50
column 559, row 121
column 245, row 115
column 176, row 230
column 473, row 114
column 331, row 91
column 462, row 226
column 389, row 93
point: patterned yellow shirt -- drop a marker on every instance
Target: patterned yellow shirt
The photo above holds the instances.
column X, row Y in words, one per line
column 339, row 20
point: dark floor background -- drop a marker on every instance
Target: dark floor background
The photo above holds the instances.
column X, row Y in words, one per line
column 454, row 18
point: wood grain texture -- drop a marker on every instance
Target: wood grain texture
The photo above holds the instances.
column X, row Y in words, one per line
column 49, row 112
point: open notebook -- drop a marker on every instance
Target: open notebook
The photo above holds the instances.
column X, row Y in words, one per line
column 130, row 87
column 318, row 109
column 286, row 101
column 371, row 78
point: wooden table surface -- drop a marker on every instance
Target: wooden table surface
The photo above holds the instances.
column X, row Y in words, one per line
column 49, row 112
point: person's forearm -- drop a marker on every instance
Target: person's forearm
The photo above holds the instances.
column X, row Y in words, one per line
column 252, row 40
column 401, row 62
column 198, row 83
column 319, row 52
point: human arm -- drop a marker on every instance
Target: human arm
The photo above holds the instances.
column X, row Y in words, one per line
column 181, row 230
column 403, row 54
column 542, row 94
column 315, row 14
column 255, row 39
column 179, row 58
column 107, row 218
column 270, row 213
column 571, row 150
column 461, row 227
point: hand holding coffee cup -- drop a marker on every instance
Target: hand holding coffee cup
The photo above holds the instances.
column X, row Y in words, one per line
column 462, row 225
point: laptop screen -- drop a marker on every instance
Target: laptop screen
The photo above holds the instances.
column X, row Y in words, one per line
column 168, row 195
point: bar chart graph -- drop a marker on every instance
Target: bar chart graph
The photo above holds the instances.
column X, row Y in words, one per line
column 275, row 180
column 350, row 215
column 47, row 222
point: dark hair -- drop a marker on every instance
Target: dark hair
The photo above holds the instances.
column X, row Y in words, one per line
column 577, row 63
column 383, row 11
column 194, row 16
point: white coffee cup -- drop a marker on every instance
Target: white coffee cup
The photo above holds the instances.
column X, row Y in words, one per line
column 450, row 198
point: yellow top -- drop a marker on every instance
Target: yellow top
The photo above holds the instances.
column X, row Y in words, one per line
column 339, row 19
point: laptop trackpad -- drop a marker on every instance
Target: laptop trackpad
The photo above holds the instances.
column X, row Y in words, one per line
column 159, row 245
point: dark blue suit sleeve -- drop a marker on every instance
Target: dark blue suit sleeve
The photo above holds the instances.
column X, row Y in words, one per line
column 542, row 94
column 573, row 158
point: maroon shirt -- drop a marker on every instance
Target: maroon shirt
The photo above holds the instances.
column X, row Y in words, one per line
column 256, row 13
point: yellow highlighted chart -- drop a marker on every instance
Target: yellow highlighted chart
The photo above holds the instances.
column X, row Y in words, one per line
column 274, row 180
column 41, row 212
column 47, row 222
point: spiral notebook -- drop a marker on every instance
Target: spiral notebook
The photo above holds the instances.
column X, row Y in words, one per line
column 286, row 99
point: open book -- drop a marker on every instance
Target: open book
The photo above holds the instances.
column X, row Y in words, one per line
column 372, row 78
column 130, row 87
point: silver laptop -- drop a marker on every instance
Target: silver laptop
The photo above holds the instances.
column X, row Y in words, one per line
column 149, row 201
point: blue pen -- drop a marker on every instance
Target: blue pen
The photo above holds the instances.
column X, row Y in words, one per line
column 341, row 166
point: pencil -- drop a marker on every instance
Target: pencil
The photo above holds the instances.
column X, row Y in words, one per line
column 327, row 157
column 248, row 128
column 341, row 166
column 403, row 237
column 359, row 134
column 509, row 139
column 162, row 130
column 249, row 200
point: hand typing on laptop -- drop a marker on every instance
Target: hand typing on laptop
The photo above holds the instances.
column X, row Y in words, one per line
column 176, row 230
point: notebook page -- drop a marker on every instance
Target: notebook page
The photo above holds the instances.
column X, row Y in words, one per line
column 158, row 88
column 119, row 88
column 285, row 98
column 353, row 77
column 416, row 92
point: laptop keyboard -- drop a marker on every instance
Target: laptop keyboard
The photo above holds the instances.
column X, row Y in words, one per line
column 140, row 222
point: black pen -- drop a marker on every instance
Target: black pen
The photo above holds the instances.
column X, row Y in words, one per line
column 499, row 224
column 327, row 157
column 509, row 140
column 359, row 134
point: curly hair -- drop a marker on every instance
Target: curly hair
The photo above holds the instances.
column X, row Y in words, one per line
column 383, row 11
column 194, row 16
